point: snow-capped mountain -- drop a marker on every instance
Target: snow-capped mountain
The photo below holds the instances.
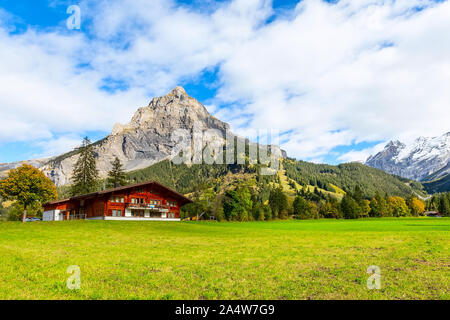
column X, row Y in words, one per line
column 424, row 159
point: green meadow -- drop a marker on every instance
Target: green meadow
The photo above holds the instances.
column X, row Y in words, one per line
column 321, row 259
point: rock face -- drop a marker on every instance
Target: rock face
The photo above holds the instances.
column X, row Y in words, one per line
column 145, row 140
column 425, row 159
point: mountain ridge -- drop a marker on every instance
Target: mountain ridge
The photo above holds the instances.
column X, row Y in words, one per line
column 427, row 158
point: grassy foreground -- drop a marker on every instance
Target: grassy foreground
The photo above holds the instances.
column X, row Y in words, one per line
column 325, row 259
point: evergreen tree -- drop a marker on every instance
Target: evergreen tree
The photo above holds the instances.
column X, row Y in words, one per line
column 85, row 173
column 116, row 177
column 300, row 208
column 350, row 208
column 444, row 205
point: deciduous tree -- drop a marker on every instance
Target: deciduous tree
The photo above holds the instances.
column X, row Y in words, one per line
column 398, row 207
column 27, row 185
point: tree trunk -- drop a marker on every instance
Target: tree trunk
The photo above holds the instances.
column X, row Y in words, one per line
column 24, row 217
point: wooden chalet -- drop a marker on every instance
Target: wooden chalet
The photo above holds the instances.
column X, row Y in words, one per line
column 144, row 201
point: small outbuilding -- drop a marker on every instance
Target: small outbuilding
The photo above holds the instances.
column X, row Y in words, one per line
column 434, row 214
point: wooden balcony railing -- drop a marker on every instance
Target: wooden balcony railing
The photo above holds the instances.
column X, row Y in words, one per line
column 146, row 206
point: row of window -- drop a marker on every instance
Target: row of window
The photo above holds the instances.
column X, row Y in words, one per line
column 137, row 200
column 117, row 199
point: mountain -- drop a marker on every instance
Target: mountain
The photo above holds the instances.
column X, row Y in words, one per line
column 145, row 140
column 423, row 160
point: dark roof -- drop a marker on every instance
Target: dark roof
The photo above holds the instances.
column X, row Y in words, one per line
column 93, row 194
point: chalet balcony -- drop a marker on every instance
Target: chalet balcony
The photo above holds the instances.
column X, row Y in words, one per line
column 143, row 206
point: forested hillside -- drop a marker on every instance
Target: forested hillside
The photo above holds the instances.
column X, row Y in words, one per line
column 349, row 175
column 334, row 179
column 439, row 185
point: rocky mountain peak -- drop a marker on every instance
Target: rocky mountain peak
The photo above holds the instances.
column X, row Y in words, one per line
column 175, row 110
column 178, row 92
column 146, row 139
column 417, row 160
column 395, row 143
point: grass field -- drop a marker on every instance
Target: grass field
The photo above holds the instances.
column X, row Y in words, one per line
column 325, row 259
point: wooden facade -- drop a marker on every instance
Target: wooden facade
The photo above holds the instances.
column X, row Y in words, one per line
column 143, row 201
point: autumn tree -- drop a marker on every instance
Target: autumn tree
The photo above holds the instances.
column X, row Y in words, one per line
column 116, row 177
column 304, row 209
column 329, row 210
column 27, row 185
column 416, row 206
column 85, row 173
column 398, row 207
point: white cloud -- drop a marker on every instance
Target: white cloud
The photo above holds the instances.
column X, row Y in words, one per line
column 327, row 74
column 361, row 155
column 58, row 145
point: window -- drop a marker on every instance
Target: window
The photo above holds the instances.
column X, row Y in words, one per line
column 119, row 213
column 114, row 213
column 171, row 203
column 133, row 200
column 122, row 199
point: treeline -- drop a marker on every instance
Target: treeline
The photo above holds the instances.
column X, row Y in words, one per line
column 249, row 201
column 439, row 202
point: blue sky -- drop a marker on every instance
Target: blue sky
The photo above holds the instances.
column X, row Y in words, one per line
column 319, row 71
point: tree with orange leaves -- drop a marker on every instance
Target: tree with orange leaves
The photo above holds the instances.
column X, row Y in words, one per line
column 27, row 185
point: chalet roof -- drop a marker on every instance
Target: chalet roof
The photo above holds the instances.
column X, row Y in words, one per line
column 112, row 190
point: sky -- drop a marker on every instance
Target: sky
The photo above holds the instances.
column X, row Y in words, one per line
column 337, row 79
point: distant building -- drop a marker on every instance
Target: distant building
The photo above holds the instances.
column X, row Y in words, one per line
column 144, row 201
column 433, row 214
